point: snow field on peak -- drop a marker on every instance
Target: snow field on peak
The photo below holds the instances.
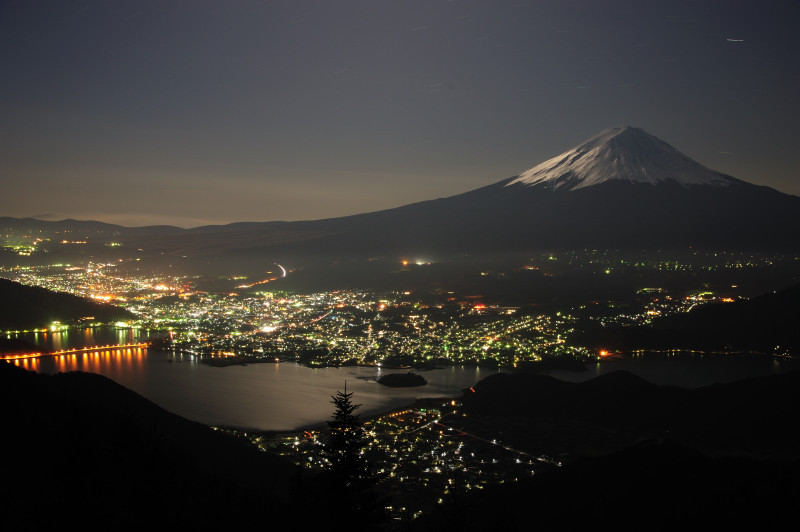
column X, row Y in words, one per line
column 621, row 154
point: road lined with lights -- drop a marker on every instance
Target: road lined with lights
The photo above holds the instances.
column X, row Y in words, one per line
column 540, row 458
column 75, row 351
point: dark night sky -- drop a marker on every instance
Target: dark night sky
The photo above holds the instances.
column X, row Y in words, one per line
column 197, row 111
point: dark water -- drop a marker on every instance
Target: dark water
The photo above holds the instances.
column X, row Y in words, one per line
column 90, row 336
column 288, row 396
column 264, row 396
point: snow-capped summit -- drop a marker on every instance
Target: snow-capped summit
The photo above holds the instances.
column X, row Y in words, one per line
column 625, row 154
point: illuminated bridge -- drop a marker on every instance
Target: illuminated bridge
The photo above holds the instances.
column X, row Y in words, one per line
column 75, row 351
column 97, row 348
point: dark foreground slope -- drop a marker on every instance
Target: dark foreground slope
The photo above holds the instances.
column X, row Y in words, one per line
column 79, row 449
column 651, row 486
column 636, row 455
column 613, row 411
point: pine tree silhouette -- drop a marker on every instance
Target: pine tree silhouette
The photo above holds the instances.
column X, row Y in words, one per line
column 351, row 486
column 346, row 441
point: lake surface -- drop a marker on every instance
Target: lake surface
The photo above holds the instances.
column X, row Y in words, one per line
column 289, row 396
column 268, row 396
column 87, row 337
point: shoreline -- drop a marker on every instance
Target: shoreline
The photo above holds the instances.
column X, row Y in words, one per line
column 416, row 403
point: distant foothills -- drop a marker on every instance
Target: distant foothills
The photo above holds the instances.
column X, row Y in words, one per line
column 622, row 189
column 765, row 324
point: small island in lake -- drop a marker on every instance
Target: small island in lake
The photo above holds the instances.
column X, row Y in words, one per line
column 402, row 380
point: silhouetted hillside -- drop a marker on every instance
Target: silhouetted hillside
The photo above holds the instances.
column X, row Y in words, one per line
column 25, row 307
column 95, row 453
column 608, row 413
column 637, row 456
column 650, row 486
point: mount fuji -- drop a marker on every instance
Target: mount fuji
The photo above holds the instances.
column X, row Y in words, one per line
column 621, row 189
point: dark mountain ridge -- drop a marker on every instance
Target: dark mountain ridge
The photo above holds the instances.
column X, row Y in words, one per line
column 636, row 454
column 659, row 485
column 620, row 189
column 100, row 454
column 618, row 409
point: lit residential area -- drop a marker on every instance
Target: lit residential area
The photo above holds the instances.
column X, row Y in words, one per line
column 422, row 455
column 242, row 317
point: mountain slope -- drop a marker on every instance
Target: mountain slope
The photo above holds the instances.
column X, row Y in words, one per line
column 635, row 454
column 616, row 410
column 623, row 188
column 97, row 454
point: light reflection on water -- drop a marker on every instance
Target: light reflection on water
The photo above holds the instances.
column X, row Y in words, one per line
column 77, row 338
column 288, row 396
column 263, row 396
